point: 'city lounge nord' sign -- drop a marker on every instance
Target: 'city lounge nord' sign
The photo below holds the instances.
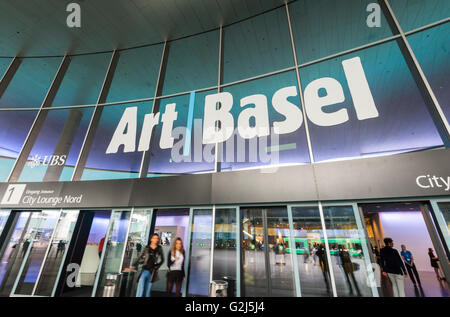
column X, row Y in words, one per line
column 218, row 122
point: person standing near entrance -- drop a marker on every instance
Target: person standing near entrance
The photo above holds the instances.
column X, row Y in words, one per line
column 175, row 262
column 434, row 263
column 393, row 267
column 151, row 257
column 408, row 259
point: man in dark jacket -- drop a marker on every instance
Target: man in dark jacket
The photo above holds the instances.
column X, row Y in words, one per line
column 393, row 267
column 151, row 258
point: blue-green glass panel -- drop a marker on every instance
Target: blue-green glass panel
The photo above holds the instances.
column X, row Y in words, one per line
column 136, row 74
column 325, row 27
column 193, row 63
column 413, row 14
column 4, row 63
column 257, row 46
column 288, row 148
column 120, row 164
column 58, row 143
column 432, row 49
column 13, row 132
column 185, row 156
column 402, row 122
column 30, row 83
column 83, row 80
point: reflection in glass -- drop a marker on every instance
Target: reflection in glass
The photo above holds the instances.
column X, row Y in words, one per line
column 192, row 63
column 15, row 126
column 310, row 250
column 432, row 49
column 266, row 262
column 39, row 233
column 120, row 162
column 13, row 253
column 443, row 218
column 257, row 46
column 200, row 253
column 57, row 252
column 348, row 259
column 404, row 128
column 113, row 248
column 30, row 83
column 325, row 27
column 57, row 145
column 83, row 80
column 413, row 14
column 225, row 239
column 4, row 214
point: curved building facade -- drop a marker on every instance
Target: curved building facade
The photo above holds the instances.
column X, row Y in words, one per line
column 282, row 147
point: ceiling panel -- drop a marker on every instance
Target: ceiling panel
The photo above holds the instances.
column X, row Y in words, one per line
column 38, row 27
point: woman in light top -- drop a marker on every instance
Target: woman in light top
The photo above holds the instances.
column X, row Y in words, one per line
column 175, row 262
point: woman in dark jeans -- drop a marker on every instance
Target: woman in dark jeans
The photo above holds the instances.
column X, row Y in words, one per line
column 152, row 257
column 434, row 263
column 175, row 263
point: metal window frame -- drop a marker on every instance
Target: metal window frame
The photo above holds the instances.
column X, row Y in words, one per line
column 437, row 210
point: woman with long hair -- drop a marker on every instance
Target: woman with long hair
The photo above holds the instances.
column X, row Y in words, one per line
column 434, row 261
column 175, row 263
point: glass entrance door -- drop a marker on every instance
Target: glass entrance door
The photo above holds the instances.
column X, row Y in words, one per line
column 267, row 268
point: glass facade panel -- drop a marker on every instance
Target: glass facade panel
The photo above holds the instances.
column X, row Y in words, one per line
column 257, row 46
column 57, row 252
column 58, row 144
column 193, row 63
column 14, row 252
column 4, row 214
column 225, row 255
column 432, row 49
column 291, row 147
column 310, row 250
column 122, row 161
column 413, row 14
column 114, row 248
column 188, row 154
column 14, row 130
column 200, row 253
column 4, row 63
column 325, row 27
column 83, row 80
column 390, row 117
column 136, row 74
column 348, row 259
column 443, row 219
column 30, row 83
column 41, row 227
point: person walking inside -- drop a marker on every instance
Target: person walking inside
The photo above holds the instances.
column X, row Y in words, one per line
column 175, row 262
column 393, row 267
column 151, row 257
column 434, row 261
column 408, row 259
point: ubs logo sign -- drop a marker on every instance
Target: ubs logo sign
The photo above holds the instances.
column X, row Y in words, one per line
column 47, row 160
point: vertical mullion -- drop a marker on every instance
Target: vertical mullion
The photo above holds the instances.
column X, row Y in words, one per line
column 364, row 241
column 145, row 160
column 300, row 89
column 47, row 251
column 105, row 246
column 327, row 250
column 294, row 252
column 266, row 252
column 95, row 119
column 126, row 240
column 238, row 252
column 213, row 224
column 421, row 80
column 218, row 151
column 38, row 122
column 188, row 252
